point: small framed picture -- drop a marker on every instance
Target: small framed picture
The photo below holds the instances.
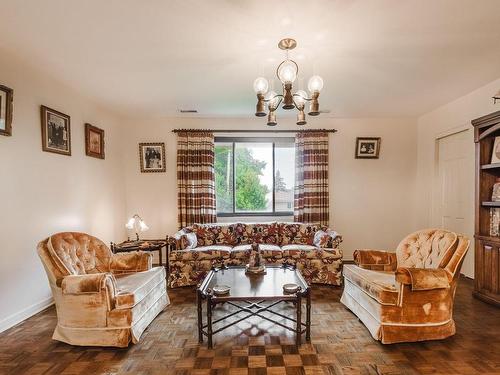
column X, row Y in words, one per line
column 152, row 157
column 367, row 147
column 56, row 131
column 6, row 98
column 94, row 141
column 495, row 153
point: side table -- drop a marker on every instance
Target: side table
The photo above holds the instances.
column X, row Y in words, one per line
column 143, row 245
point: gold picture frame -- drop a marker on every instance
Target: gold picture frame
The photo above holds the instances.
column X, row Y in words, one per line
column 152, row 157
column 6, row 109
column 94, row 141
column 56, row 131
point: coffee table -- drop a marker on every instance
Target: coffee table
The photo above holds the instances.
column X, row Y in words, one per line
column 253, row 295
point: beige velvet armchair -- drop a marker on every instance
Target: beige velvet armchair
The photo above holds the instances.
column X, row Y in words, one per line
column 407, row 295
column 102, row 299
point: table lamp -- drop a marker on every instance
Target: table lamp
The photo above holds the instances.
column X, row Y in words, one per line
column 137, row 224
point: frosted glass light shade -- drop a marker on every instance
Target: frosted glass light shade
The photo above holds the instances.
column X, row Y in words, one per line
column 287, row 72
column 315, row 84
column 143, row 226
column 260, row 85
column 273, row 100
column 300, row 97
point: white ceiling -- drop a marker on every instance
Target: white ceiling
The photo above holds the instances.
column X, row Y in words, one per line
column 152, row 57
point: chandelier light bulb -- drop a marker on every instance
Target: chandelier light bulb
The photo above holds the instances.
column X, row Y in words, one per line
column 300, row 97
column 287, row 71
column 260, row 85
column 315, row 84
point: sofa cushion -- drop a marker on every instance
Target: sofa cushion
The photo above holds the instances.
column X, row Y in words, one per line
column 248, row 233
column 132, row 288
column 298, row 251
column 241, row 251
column 201, row 253
column 379, row 285
column 298, row 233
column 213, row 234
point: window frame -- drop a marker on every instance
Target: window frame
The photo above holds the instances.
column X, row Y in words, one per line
column 233, row 141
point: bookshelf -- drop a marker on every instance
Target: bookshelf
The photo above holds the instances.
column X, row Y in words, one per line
column 486, row 247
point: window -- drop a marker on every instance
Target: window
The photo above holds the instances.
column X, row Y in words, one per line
column 254, row 176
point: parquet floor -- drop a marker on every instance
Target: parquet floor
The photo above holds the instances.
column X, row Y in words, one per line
column 340, row 345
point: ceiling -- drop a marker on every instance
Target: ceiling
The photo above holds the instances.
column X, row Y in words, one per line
column 151, row 58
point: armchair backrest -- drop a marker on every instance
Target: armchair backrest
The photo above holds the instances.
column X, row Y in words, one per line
column 432, row 248
column 72, row 253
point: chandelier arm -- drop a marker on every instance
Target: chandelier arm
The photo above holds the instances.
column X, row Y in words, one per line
column 274, row 97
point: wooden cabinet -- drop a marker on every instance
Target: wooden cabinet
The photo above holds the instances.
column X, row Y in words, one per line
column 487, row 248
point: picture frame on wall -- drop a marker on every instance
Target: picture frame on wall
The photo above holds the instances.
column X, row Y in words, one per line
column 56, row 131
column 152, row 157
column 94, row 141
column 367, row 147
column 495, row 152
column 6, row 108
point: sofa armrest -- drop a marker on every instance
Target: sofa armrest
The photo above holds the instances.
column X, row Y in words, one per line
column 377, row 260
column 89, row 284
column 424, row 278
column 133, row 261
column 327, row 239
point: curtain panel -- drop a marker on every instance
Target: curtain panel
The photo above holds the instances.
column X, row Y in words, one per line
column 195, row 178
column 311, row 203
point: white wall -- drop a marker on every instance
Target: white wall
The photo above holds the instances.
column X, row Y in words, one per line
column 447, row 119
column 42, row 193
column 372, row 201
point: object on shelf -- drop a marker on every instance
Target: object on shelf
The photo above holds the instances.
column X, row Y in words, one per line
column 495, row 222
column 495, row 195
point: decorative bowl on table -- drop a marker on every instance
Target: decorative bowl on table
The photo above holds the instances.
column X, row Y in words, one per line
column 256, row 270
column 291, row 288
column 221, row 290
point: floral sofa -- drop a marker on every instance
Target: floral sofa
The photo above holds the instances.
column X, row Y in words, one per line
column 312, row 248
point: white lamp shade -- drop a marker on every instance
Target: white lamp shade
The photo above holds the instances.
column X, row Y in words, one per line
column 130, row 223
column 315, row 84
column 260, row 85
column 287, row 72
column 142, row 226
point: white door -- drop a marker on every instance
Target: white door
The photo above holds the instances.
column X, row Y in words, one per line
column 455, row 195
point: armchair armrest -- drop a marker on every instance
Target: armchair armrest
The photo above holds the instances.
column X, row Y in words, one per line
column 377, row 260
column 424, row 278
column 88, row 284
column 133, row 261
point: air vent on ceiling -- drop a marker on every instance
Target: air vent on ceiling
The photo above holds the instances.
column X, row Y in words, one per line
column 188, row 111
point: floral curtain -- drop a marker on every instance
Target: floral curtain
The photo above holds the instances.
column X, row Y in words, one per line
column 311, row 203
column 195, row 178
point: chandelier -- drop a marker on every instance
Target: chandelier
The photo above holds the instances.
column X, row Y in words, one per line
column 287, row 73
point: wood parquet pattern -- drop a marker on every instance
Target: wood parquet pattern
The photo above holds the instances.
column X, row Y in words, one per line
column 340, row 345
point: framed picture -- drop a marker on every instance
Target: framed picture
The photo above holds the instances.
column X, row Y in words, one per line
column 94, row 141
column 6, row 98
column 367, row 147
column 152, row 157
column 56, row 131
column 495, row 153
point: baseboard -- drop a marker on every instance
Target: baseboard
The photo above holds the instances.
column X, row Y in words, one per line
column 24, row 314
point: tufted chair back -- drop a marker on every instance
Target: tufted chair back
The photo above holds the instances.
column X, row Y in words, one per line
column 75, row 253
column 428, row 248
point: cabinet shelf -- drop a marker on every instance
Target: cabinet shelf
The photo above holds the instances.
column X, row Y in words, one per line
column 490, row 204
column 491, row 166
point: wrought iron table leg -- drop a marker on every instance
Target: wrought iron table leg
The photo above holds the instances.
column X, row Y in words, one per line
column 209, row 321
column 200, row 316
column 298, row 328
column 308, row 316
